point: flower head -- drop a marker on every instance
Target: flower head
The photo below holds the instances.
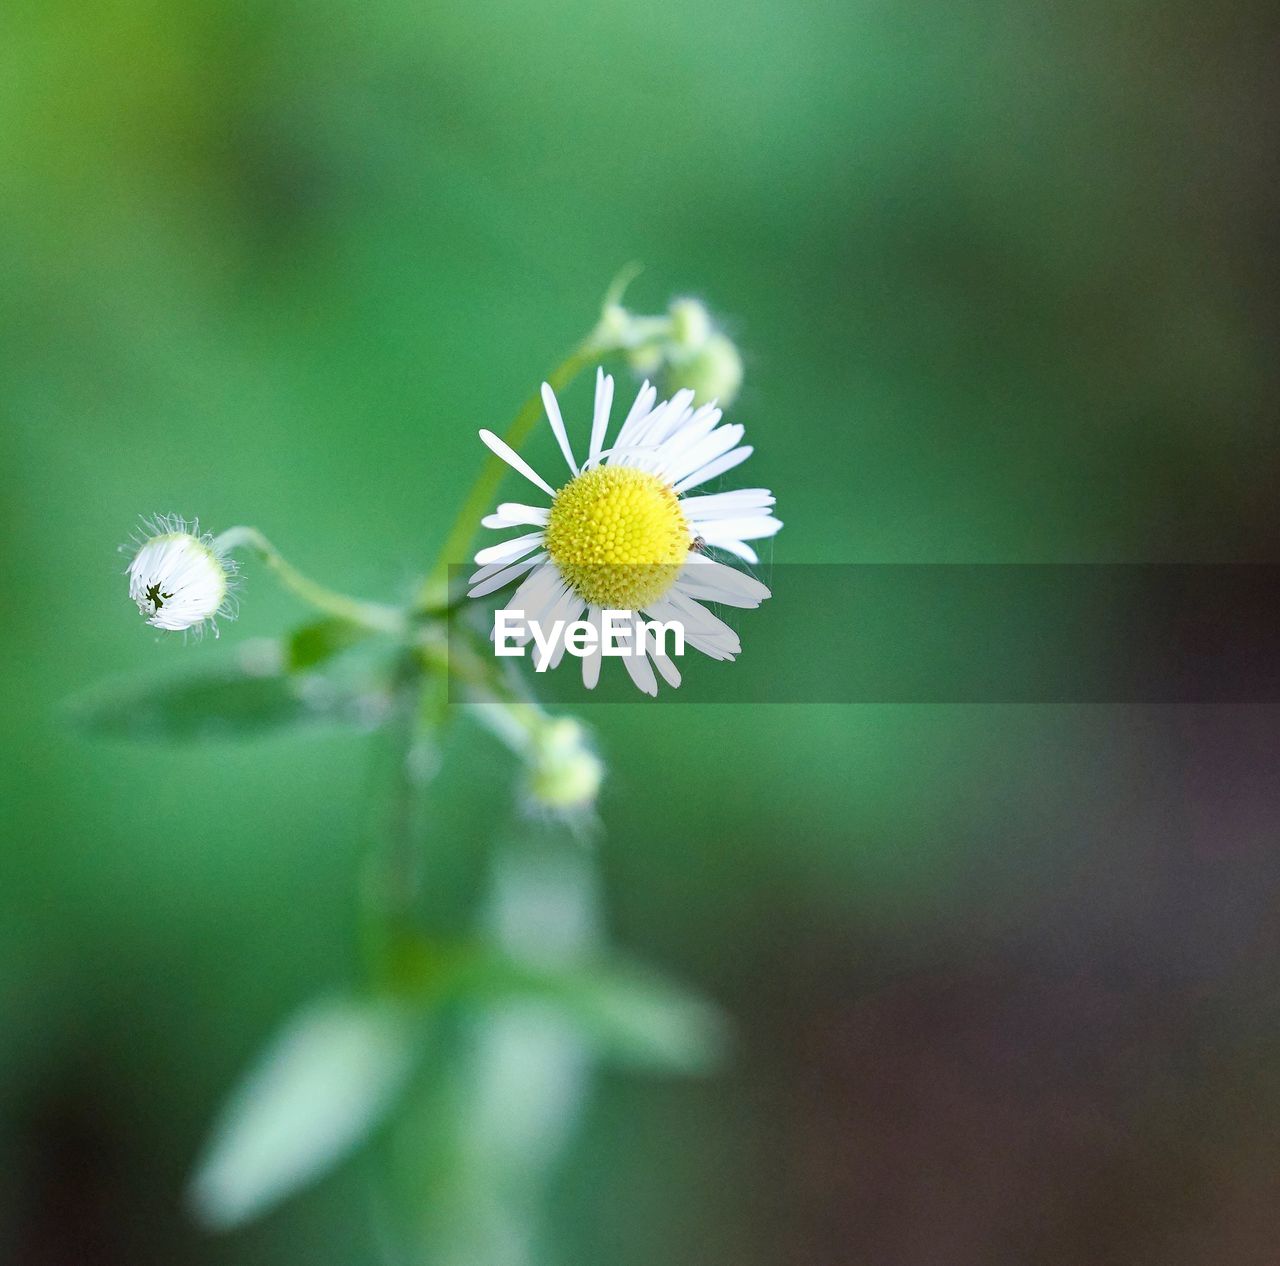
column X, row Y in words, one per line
column 622, row 534
column 178, row 577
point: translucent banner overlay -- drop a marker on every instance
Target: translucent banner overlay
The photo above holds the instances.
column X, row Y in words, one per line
column 949, row 633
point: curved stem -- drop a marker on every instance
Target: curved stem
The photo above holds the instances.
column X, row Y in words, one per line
column 435, row 590
column 369, row 615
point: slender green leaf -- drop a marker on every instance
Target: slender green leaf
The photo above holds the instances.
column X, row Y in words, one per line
column 630, row 1013
column 317, row 1091
column 642, row 1019
column 224, row 705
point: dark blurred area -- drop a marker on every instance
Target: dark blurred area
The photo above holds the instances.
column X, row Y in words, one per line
column 1004, row 977
column 1085, row 1077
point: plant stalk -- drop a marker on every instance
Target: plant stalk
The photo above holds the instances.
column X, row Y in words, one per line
column 370, row 615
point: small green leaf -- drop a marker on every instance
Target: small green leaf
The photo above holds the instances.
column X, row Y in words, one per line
column 223, row 705
column 644, row 1020
column 317, row 1091
column 630, row 1013
column 315, row 643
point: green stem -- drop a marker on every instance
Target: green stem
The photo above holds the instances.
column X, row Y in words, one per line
column 435, row 590
column 369, row 615
column 393, row 870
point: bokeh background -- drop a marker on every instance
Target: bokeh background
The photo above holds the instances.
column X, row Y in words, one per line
column 1004, row 978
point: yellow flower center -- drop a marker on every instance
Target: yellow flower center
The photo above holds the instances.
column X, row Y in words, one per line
column 618, row 536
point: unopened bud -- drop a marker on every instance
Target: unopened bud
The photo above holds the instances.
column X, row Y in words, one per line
column 178, row 578
column 564, row 773
column 713, row 372
column 691, row 324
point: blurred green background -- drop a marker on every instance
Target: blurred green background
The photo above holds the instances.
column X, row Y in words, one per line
column 1003, row 277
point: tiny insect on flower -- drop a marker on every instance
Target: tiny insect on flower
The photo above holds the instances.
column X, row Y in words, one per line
column 178, row 578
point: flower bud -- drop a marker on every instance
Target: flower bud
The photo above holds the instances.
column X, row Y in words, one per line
column 691, row 324
column 564, row 773
column 645, row 360
column 713, row 372
column 682, row 349
column 178, row 579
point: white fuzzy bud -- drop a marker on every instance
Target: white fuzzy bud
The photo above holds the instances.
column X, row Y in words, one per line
column 178, row 579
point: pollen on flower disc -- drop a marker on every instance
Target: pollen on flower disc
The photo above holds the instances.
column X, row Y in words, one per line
column 618, row 536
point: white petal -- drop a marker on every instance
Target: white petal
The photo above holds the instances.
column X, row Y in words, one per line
column 667, row 667
column 705, row 451
column 717, row 467
column 692, row 615
column 697, row 428
column 543, row 612
column 535, row 594
column 740, row 549
column 666, row 420
column 591, row 660
column 747, row 529
column 513, row 514
column 641, row 672
column 600, row 421
column 552, row 406
column 709, row 646
column 711, row 593
column 639, row 410
column 725, row 505
column 640, row 456
column 511, row 549
column 706, row 578
column 645, row 434
column 569, row 610
column 496, row 576
column 502, row 449
column 664, row 664
column 488, row 570
column 699, row 622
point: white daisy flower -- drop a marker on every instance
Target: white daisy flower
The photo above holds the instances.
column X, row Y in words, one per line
column 623, row 535
column 179, row 578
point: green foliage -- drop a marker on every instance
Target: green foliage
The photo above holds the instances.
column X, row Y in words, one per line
column 317, row 1091
column 315, row 643
column 209, row 706
column 640, row 1019
column 260, row 260
column 324, row 1084
column 627, row 1013
column 230, row 703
